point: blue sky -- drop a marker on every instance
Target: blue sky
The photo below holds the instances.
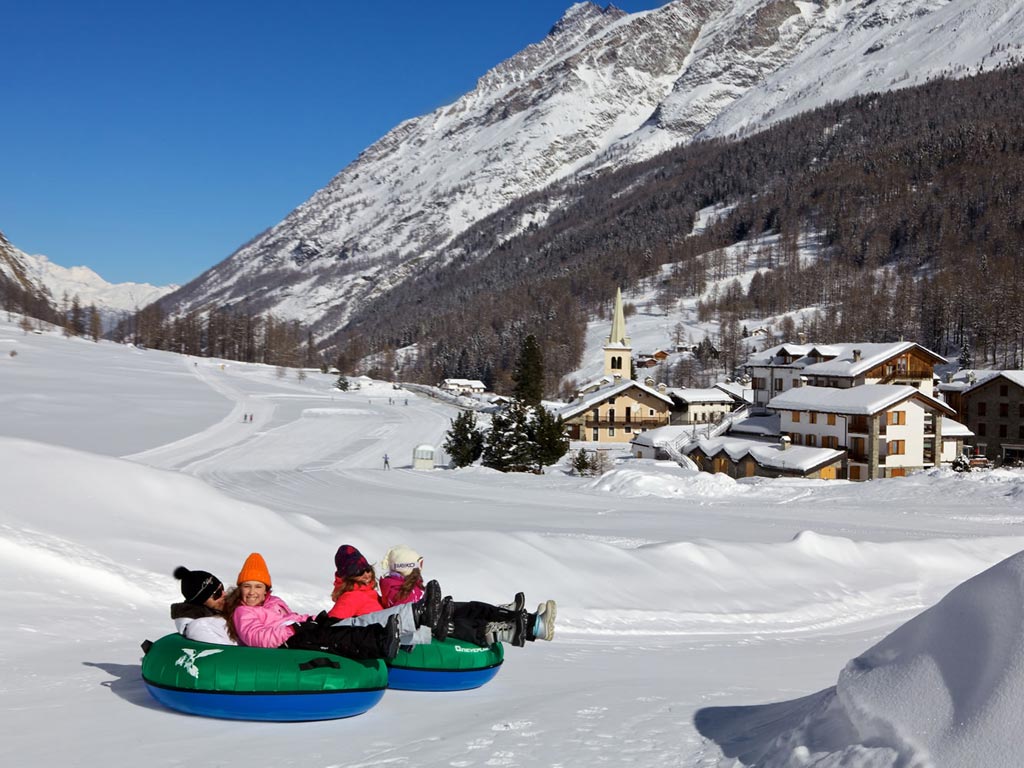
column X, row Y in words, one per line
column 149, row 140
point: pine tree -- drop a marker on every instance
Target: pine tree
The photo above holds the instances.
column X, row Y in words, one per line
column 581, row 463
column 508, row 446
column 464, row 443
column 342, row 383
column 529, row 372
column 965, row 355
column 548, row 436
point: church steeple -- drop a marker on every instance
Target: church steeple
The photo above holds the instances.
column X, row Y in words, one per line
column 617, row 351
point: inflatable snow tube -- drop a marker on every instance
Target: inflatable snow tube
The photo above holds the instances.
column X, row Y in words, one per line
column 275, row 684
column 446, row 665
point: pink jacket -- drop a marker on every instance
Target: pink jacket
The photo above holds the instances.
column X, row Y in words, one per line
column 268, row 625
column 357, row 601
column 389, row 587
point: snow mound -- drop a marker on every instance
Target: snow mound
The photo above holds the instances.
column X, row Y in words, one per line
column 632, row 482
column 945, row 689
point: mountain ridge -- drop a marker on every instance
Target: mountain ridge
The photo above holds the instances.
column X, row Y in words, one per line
column 603, row 90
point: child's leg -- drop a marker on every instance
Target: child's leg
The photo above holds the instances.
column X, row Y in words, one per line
column 410, row 634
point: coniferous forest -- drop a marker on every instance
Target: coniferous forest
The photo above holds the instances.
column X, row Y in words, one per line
column 914, row 200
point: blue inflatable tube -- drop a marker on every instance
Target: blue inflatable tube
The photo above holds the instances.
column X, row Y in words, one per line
column 445, row 665
column 271, row 707
column 439, row 679
column 269, row 684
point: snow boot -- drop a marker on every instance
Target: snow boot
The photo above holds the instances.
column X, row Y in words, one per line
column 390, row 639
column 514, row 631
column 427, row 609
column 517, row 604
column 443, row 626
column 542, row 623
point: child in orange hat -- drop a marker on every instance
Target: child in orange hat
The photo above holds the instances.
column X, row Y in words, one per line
column 258, row 618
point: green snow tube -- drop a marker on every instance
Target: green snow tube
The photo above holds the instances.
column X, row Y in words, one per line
column 445, row 665
column 242, row 683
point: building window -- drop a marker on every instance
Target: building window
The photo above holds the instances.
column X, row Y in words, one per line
column 811, row 441
column 981, row 408
column 778, row 385
column 896, row 418
column 611, row 414
column 1020, row 410
column 1002, row 430
column 897, row 447
column 813, row 418
column 1004, row 410
column 981, row 428
column 796, row 417
column 829, row 441
column 629, row 414
column 759, row 383
column 596, row 415
column 1020, row 432
column 652, row 412
column 627, row 429
column 831, row 419
column 796, row 439
column 611, row 431
column 595, row 435
column 1004, row 390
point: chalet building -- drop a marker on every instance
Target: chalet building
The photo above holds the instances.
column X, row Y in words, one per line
column 885, row 429
column 615, row 408
column 993, row 409
column 746, row 457
column 463, row 386
column 615, row 414
column 788, row 366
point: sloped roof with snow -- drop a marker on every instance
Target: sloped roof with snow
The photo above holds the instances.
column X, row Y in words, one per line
column 712, row 395
column 796, row 458
column 953, row 428
column 840, row 357
column 1017, row 377
column 864, row 400
column 653, row 438
column 600, row 395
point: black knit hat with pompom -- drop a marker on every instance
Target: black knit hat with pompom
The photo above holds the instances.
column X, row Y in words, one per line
column 196, row 586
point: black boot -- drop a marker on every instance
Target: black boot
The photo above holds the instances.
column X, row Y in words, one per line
column 444, row 621
column 426, row 610
column 390, row 639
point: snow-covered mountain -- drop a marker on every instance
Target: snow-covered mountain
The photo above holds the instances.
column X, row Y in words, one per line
column 36, row 272
column 603, row 89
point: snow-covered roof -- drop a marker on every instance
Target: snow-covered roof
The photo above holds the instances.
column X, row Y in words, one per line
column 756, row 425
column 701, row 395
column 464, row 383
column 1017, row 377
column 837, row 359
column 737, row 390
column 653, row 438
column 862, row 400
column 770, row 454
column 600, row 395
column 953, row 428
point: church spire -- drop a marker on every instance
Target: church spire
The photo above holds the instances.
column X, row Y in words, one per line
column 618, row 352
column 618, row 337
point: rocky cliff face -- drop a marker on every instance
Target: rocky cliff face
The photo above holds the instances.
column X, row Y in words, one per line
column 604, row 88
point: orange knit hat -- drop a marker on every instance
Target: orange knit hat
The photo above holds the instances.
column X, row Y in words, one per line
column 255, row 569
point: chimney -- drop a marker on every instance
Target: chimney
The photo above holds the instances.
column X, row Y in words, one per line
column 856, row 355
column 784, row 442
